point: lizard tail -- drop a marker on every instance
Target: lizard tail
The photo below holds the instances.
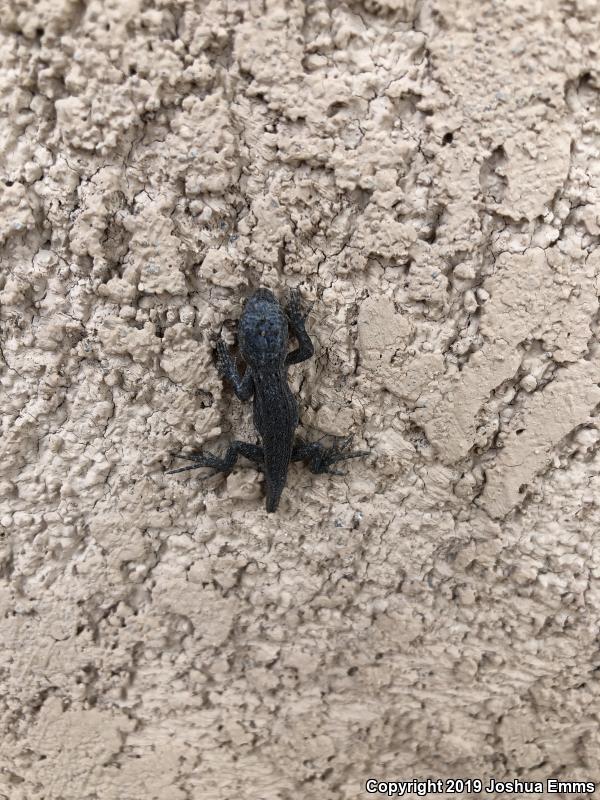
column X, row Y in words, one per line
column 274, row 492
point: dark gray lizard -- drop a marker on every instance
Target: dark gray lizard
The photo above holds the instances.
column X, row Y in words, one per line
column 263, row 343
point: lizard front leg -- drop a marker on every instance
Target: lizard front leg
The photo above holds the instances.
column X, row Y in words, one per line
column 296, row 317
column 243, row 387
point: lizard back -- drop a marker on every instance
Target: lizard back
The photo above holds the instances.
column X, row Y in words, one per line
column 263, row 341
column 275, row 419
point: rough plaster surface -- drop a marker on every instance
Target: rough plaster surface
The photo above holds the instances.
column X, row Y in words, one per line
column 429, row 174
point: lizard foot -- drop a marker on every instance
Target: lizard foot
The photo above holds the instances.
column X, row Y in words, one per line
column 206, row 459
column 322, row 459
column 201, row 459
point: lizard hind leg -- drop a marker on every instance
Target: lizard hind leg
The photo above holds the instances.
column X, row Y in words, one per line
column 206, row 459
column 322, row 458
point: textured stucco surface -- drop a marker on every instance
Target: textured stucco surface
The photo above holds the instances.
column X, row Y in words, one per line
column 428, row 173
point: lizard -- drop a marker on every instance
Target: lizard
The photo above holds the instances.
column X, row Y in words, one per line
column 263, row 334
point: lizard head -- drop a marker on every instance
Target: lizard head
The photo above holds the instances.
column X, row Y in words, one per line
column 263, row 331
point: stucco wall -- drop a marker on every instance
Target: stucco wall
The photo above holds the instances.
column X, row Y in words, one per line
column 428, row 173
